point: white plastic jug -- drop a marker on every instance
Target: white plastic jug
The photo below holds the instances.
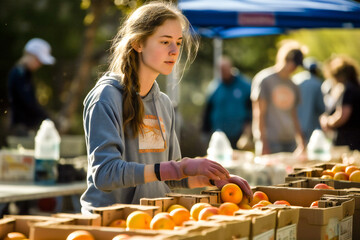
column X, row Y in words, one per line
column 319, row 146
column 220, row 149
column 47, row 153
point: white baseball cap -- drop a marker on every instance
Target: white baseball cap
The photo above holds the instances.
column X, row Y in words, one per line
column 41, row 49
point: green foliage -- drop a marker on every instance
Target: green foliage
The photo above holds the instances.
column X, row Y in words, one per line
column 323, row 43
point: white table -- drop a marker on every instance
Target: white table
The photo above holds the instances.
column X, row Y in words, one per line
column 19, row 191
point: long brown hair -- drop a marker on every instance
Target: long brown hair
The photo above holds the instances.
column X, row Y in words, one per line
column 124, row 60
column 342, row 68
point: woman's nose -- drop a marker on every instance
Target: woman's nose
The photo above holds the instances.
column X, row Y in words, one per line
column 174, row 49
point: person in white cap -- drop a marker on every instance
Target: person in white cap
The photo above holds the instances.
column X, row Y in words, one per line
column 26, row 112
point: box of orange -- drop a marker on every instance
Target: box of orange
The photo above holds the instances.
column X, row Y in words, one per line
column 122, row 211
column 185, row 200
column 349, row 193
column 314, row 223
column 21, row 223
column 62, row 229
column 337, row 175
column 54, row 231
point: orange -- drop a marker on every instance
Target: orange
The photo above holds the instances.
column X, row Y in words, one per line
column 350, row 169
column 355, row 176
column 120, row 223
column 138, row 220
column 174, row 206
column 180, row 215
column 80, row 235
column 257, row 197
column 162, row 221
column 282, row 202
column 121, row 237
column 228, row 208
column 196, row 208
column 231, row 192
column 15, row 236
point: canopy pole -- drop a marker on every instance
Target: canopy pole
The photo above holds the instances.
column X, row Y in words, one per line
column 218, row 49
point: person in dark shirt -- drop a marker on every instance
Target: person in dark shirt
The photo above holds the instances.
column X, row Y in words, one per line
column 345, row 117
column 26, row 112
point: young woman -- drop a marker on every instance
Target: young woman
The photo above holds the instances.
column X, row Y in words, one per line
column 345, row 117
column 132, row 147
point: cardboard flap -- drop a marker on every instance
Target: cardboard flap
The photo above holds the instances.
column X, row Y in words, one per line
column 6, row 225
column 80, row 219
column 121, row 211
column 262, row 220
column 235, row 226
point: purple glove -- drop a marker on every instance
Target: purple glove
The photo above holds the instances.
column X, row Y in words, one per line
column 173, row 170
column 242, row 183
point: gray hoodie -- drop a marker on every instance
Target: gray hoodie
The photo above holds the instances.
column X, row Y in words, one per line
column 115, row 162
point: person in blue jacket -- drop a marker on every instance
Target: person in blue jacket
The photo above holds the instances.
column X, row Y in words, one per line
column 133, row 151
column 228, row 107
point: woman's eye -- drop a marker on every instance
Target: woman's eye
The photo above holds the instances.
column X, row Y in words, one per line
column 179, row 43
column 164, row 42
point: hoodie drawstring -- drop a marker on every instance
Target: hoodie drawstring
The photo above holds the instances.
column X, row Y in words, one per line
column 157, row 117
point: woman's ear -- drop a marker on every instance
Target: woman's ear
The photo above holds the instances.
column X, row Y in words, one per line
column 136, row 46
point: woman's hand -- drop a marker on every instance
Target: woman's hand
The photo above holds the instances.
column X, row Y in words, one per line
column 174, row 170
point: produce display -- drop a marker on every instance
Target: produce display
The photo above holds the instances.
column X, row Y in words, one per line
column 275, row 212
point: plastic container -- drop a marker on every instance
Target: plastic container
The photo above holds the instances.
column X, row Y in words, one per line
column 220, row 149
column 319, row 146
column 47, row 153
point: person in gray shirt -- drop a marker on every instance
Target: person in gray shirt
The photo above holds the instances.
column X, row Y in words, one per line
column 275, row 97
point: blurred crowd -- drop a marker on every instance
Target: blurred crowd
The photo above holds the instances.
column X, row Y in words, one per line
column 285, row 104
column 276, row 111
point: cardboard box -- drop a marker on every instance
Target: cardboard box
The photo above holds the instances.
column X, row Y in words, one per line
column 21, row 223
column 202, row 230
column 55, row 231
column 287, row 219
column 263, row 223
column 17, row 165
column 61, row 229
column 80, row 219
column 121, row 211
column 235, row 227
column 349, row 193
column 186, row 200
column 315, row 172
column 314, row 223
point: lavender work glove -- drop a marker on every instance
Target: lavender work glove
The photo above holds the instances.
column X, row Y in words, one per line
column 174, row 170
column 242, row 183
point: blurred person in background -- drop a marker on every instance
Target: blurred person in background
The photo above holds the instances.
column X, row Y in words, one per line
column 275, row 99
column 312, row 103
column 228, row 107
column 26, row 112
column 344, row 118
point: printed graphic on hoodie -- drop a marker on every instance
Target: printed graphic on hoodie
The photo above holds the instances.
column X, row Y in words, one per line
column 152, row 140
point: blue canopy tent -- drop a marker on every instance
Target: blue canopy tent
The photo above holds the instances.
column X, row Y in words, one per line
column 220, row 16
column 240, row 18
